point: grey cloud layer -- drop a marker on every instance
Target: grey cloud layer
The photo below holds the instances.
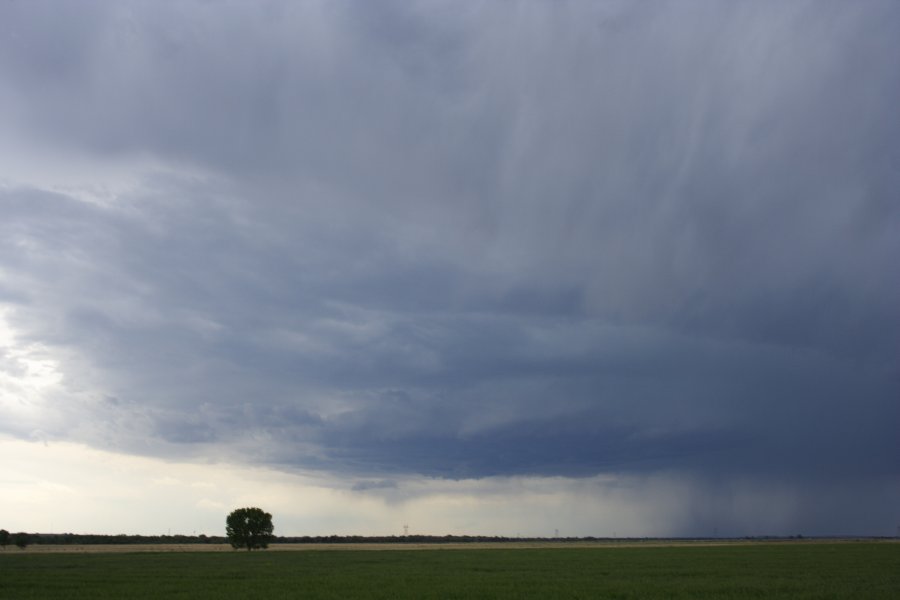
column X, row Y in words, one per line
column 555, row 239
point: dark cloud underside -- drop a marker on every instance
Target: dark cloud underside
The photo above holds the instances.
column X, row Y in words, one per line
column 464, row 241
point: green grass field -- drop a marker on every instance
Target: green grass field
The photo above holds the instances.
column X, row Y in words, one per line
column 827, row 570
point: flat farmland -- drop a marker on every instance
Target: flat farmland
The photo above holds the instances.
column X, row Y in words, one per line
column 754, row 570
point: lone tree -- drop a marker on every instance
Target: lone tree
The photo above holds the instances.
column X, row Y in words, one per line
column 249, row 528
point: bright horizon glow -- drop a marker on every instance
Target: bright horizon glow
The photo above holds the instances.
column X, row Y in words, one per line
column 61, row 487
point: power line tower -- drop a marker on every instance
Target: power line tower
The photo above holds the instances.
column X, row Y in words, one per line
column 405, row 530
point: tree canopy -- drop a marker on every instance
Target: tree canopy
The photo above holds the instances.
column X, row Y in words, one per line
column 249, row 528
column 21, row 539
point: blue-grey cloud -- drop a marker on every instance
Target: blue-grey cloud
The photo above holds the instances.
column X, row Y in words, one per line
column 527, row 239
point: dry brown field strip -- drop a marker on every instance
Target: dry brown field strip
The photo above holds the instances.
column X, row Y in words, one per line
column 120, row 548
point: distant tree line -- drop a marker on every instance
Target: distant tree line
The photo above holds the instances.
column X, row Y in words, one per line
column 401, row 539
column 20, row 539
column 90, row 539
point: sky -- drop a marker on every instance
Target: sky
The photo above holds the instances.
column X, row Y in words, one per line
column 609, row 268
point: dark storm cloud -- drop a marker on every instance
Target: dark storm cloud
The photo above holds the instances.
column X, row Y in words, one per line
column 499, row 239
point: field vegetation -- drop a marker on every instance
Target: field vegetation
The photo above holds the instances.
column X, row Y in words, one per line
column 784, row 570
